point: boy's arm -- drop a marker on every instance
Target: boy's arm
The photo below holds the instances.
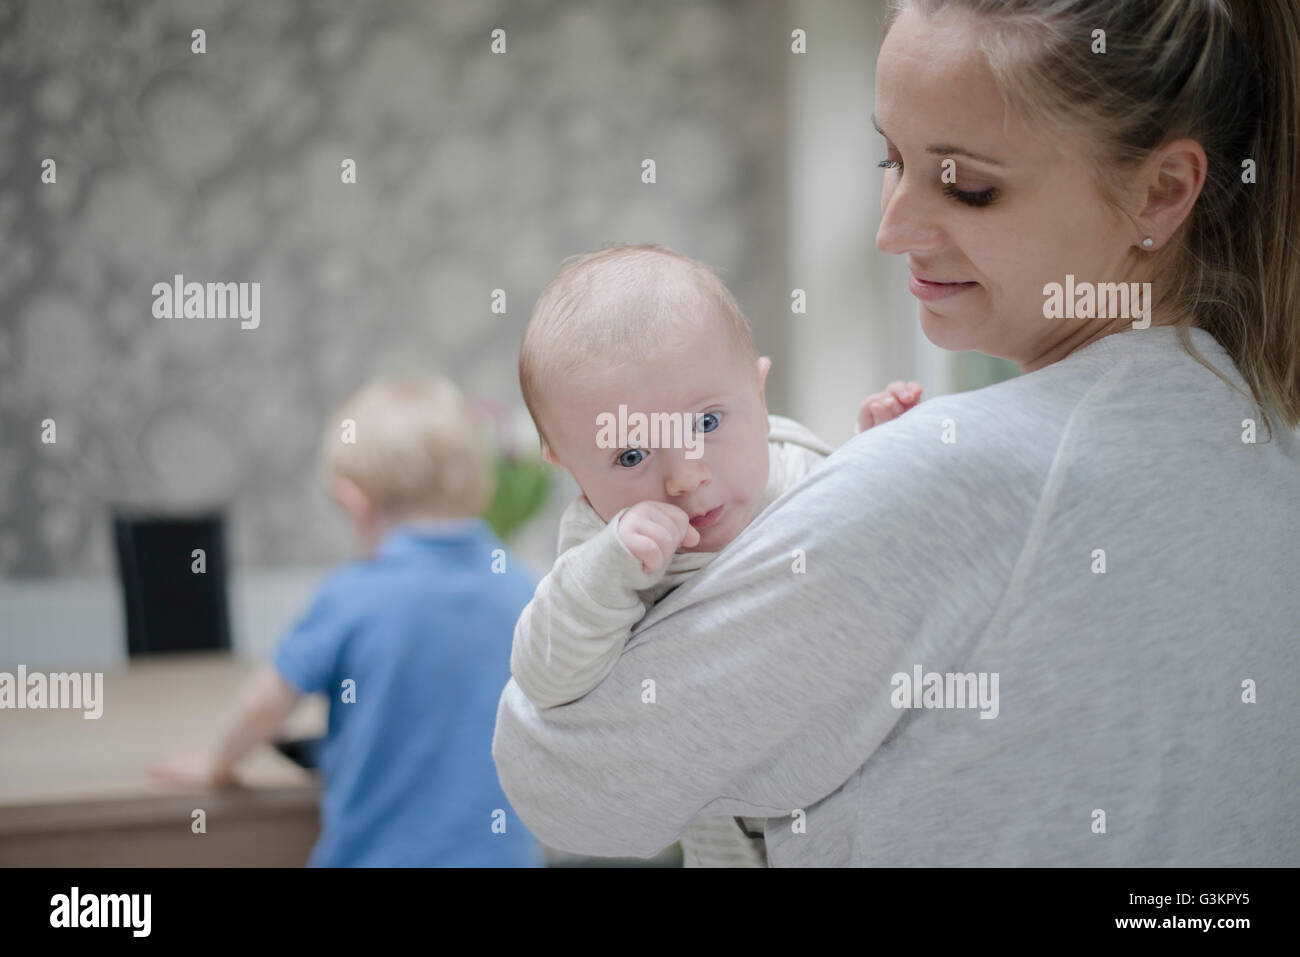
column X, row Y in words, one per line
column 265, row 700
column 570, row 635
column 306, row 661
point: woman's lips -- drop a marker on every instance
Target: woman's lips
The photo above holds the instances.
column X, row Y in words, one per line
column 930, row 291
column 707, row 519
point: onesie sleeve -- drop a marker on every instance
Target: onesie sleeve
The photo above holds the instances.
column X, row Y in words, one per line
column 572, row 631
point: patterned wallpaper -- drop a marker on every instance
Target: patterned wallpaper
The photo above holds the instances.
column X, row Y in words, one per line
column 474, row 171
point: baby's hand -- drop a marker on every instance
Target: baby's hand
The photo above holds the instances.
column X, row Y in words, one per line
column 653, row 531
column 879, row 408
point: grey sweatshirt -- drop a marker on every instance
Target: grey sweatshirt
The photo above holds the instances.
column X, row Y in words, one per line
column 1054, row 621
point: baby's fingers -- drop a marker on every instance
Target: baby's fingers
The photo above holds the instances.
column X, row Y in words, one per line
column 647, row 550
column 676, row 524
column 906, row 394
column 877, row 409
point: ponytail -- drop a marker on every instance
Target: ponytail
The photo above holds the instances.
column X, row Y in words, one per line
column 1265, row 343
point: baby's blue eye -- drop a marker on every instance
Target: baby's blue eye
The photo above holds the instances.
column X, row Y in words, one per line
column 624, row 461
column 700, row 422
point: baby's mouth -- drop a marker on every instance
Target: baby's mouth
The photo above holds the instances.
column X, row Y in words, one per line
column 706, row 519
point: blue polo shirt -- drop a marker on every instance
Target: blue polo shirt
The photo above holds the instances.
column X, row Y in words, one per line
column 412, row 648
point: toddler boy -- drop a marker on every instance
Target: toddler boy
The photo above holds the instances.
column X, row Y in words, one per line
column 410, row 643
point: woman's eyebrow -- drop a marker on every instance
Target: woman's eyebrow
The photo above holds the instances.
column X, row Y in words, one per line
column 943, row 149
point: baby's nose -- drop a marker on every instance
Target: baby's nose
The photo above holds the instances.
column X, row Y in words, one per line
column 686, row 475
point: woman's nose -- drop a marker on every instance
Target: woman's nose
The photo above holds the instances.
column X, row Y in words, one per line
column 908, row 220
column 685, row 475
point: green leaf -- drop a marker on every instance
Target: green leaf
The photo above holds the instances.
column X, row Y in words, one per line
column 523, row 486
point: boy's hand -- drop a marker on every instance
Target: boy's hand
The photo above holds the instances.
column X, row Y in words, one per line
column 197, row 769
column 879, row 408
column 653, row 531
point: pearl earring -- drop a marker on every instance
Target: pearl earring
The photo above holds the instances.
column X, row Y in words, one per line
column 1148, row 243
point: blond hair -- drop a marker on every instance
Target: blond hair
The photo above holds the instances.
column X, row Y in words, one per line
column 1225, row 73
column 619, row 304
column 414, row 446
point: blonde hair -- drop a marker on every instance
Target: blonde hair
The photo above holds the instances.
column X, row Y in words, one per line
column 1225, row 73
column 619, row 304
column 414, row 446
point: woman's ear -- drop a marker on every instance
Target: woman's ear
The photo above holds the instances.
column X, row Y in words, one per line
column 1172, row 180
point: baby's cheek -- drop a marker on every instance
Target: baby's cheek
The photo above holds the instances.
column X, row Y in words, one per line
column 755, row 483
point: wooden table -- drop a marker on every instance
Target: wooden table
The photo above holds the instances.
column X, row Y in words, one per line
column 76, row 792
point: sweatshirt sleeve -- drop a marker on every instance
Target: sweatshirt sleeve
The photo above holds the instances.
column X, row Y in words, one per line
column 763, row 684
column 570, row 634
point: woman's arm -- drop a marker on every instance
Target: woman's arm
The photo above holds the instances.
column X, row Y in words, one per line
column 761, row 685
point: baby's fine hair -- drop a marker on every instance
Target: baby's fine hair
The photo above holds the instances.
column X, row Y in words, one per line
column 619, row 304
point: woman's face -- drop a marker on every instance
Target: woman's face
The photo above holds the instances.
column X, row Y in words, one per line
column 1021, row 209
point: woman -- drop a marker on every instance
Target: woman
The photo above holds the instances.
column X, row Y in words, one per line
column 1047, row 622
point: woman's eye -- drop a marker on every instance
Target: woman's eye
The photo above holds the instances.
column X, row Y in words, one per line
column 631, row 458
column 980, row 197
column 702, row 422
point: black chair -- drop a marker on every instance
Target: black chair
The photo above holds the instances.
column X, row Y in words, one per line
column 170, row 606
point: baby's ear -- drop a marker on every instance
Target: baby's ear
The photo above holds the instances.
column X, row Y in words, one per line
column 548, row 455
column 764, row 366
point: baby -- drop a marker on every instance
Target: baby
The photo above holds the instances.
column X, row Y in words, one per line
column 641, row 376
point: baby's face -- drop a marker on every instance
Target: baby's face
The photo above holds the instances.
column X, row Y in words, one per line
column 715, row 391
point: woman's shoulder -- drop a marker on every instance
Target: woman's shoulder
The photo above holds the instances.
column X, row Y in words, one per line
column 1101, row 413
column 1139, row 377
column 966, row 464
column 1006, row 427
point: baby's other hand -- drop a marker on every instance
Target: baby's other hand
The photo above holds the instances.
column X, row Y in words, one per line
column 879, row 408
column 653, row 531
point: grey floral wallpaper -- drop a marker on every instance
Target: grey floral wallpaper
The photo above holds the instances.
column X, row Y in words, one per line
column 474, row 171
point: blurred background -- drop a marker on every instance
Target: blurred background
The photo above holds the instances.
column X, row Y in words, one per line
column 475, row 172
